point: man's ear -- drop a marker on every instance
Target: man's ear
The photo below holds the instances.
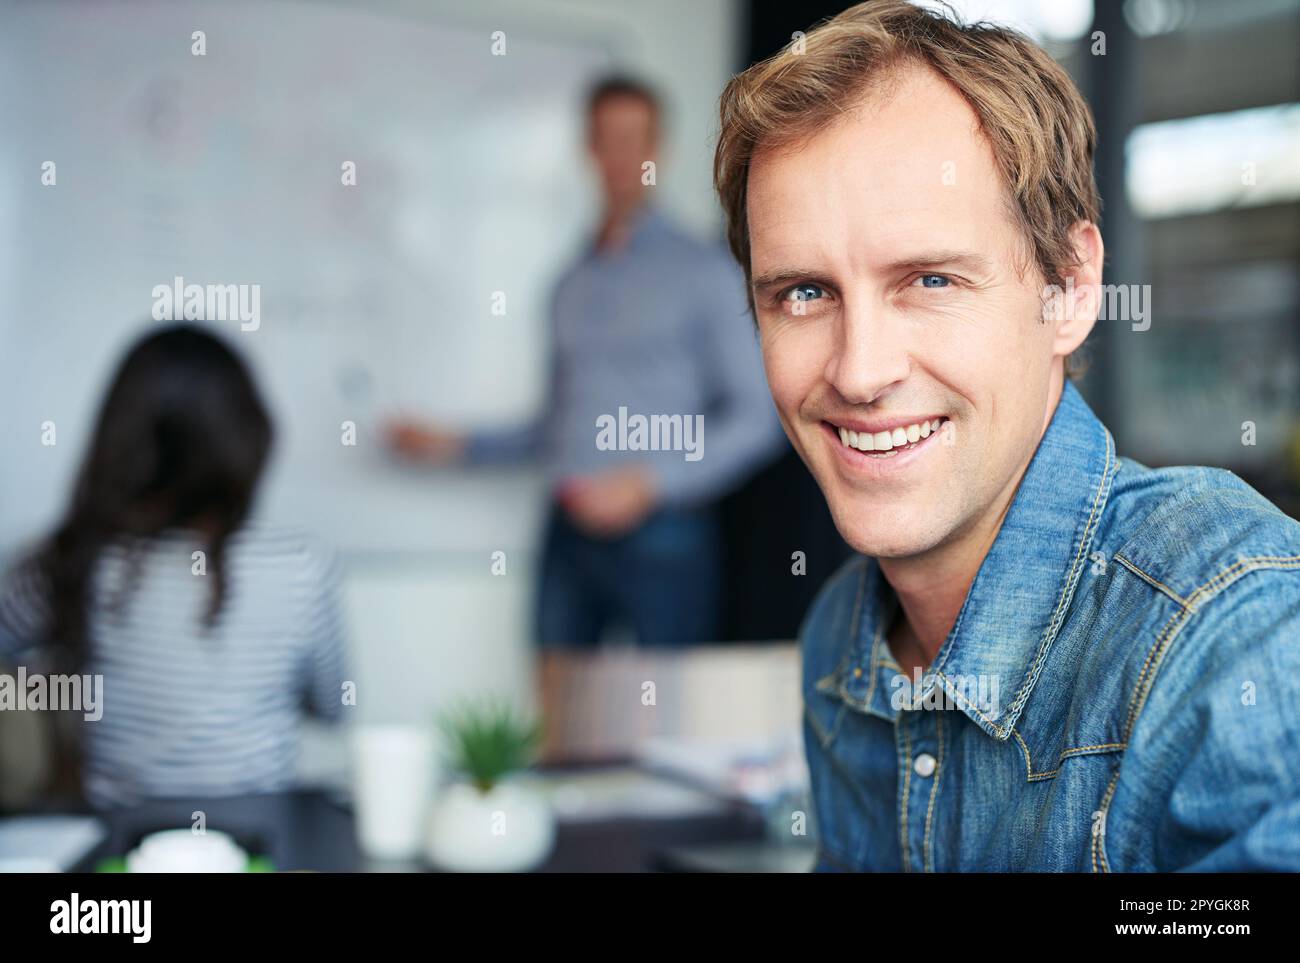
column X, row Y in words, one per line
column 1080, row 300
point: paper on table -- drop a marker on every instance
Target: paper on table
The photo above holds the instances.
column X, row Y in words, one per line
column 624, row 792
column 758, row 771
column 47, row 844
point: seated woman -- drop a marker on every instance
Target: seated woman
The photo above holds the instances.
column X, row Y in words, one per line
column 211, row 634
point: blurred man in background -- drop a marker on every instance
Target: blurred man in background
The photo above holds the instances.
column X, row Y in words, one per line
column 648, row 322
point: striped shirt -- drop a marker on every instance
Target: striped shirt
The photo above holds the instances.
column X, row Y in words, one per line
column 189, row 711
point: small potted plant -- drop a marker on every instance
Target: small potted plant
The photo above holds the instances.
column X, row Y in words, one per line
column 488, row 820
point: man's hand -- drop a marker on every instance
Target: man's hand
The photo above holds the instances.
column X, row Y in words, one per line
column 428, row 443
column 610, row 503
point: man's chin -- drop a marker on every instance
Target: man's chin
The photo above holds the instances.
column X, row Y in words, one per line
column 899, row 533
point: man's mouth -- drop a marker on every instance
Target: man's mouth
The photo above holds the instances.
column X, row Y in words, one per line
column 889, row 439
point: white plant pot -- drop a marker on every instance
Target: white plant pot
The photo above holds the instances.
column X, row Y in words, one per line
column 509, row 829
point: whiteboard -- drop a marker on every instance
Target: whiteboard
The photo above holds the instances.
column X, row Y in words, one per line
column 226, row 168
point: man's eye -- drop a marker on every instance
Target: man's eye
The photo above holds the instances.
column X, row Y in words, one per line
column 933, row 281
column 803, row 292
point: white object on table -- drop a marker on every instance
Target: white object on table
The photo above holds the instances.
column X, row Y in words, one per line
column 185, row 851
column 392, row 787
column 47, row 844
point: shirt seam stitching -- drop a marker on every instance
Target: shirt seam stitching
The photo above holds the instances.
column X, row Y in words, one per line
column 1155, row 657
column 1149, row 579
column 1058, row 615
column 907, row 789
column 1098, row 839
column 928, row 845
column 1168, row 635
column 1031, row 776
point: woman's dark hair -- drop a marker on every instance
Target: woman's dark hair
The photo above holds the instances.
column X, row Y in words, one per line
column 181, row 441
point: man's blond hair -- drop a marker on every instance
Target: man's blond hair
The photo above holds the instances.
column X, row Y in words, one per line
column 1038, row 125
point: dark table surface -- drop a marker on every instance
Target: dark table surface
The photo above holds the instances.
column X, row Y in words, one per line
column 310, row 830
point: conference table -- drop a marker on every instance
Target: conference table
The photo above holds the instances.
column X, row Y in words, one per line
column 314, row 831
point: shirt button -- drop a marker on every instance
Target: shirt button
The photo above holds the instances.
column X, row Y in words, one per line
column 924, row 765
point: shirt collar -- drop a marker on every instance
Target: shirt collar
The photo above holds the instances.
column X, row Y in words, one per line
column 645, row 227
column 1017, row 603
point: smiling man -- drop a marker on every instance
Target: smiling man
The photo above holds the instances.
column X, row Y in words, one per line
column 1046, row 657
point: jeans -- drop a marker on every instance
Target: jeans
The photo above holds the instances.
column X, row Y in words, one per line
column 663, row 579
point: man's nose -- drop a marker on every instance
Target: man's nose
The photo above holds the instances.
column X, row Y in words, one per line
column 872, row 351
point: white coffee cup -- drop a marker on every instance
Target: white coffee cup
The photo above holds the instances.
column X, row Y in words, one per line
column 392, row 787
column 185, row 851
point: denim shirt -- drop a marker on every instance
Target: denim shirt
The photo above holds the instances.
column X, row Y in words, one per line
column 1120, row 691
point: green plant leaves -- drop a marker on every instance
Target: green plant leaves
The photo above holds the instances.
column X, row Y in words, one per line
column 488, row 740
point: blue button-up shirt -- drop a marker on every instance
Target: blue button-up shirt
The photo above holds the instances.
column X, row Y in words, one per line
column 660, row 327
column 1120, row 691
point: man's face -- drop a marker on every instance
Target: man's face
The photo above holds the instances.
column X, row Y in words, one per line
column 889, row 292
column 622, row 138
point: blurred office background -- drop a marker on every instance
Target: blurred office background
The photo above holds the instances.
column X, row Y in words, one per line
column 225, row 168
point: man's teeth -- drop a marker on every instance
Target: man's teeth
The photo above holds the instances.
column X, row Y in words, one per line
column 888, row 440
